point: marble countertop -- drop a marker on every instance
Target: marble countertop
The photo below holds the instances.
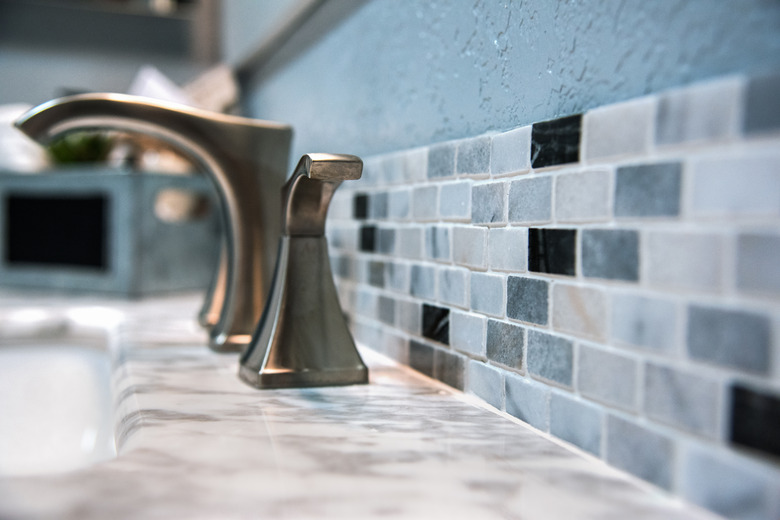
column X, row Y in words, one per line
column 195, row 442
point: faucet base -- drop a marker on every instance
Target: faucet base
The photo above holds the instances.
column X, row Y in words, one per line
column 302, row 339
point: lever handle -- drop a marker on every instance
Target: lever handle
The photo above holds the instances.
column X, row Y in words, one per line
column 306, row 196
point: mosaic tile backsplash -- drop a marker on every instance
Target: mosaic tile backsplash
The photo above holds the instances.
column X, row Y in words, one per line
column 611, row 278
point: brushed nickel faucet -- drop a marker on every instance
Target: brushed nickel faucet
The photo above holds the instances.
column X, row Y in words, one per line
column 302, row 338
column 247, row 161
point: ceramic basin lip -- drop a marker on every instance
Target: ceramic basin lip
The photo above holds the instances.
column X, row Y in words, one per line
column 79, row 342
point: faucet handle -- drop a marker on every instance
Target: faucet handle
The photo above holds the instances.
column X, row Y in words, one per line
column 307, row 195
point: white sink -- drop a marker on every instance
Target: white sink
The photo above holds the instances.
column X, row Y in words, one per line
column 56, row 411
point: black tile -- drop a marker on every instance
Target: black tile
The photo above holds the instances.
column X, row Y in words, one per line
column 436, row 323
column 755, row 420
column 556, row 142
column 368, row 239
column 552, row 251
column 421, row 357
column 360, row 206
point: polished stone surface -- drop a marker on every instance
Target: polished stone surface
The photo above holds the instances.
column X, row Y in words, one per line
column 195, row 442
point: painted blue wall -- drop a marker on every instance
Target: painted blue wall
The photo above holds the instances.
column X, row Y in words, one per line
column 397, row 74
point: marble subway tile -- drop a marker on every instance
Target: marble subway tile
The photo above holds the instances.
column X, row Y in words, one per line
column 473, row 156
column 468, row 332
column 551, row 357
column 530, row 201
column 424, row 199
column 648, row 190
column 608, row 377
column 421, row 357
column 505, row 343
column 577, row 422
column 552, row 251
column 485, row 382
column 619, row 129
column 454, row 286
column 423, row 282
column 449, row 368
column 583, row 196
column 684, row 260
column 508, row 249
column 469, row 246
column 510, row 152
column 437, row 243
column 610, row 253
column 441, row 161
column 642, row 452
column 758, row 263
column 487, row 293
column 528, row 401
column 644, row 322
column 556, row 141
column 488, row 205
column 436, row 323
column 455, row 201
column 581, row 311
column 527, row 299
column 762, row 111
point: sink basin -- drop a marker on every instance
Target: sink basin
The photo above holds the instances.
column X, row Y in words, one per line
column 56, row 411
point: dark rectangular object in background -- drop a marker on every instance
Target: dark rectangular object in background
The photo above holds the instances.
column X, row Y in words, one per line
column 57, row 230
column 755, row 420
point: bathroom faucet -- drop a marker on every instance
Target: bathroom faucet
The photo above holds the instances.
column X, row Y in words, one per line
column 302, row 338
column 247, row 161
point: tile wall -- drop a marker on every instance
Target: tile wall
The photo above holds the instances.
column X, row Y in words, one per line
column 611, row 278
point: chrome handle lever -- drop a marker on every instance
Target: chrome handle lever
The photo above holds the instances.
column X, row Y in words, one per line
column 302, row 338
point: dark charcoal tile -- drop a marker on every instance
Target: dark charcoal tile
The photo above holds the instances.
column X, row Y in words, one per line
column 762, row 111
column 368, row 239
column 505, row 343
column 610, row 253
column 441, row 160
column 421, row 357
column 449, row 368
column 755, row 419
column 526, row 299
column 552, row 251
column 556, row 142
column 360, row 206
column 376, row 274
column 733, row 339
column 436, row 323
column 648, row 190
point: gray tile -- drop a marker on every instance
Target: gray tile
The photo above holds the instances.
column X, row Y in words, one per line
column 488, row 204
column 392, row 169
column 395, row 346
column 421, row 357
column 762, row 111
column 455, row 201
column 409, row 242
column 385, row 241
column 619, row 129
column 386, row 310
column 453, row 286
column 441, row 160
column 582, row 197
column 398, row 204
column 699, row 112
column 376, row 273
column 610, row 253
column 486, row 383
column 437, row 243
column 550, row 357
column 487, row 293
column 527, row 299
column 580, row 310
column 607, row 377
column 511, row 152
column 642, row 452
column 576, row 422
column 648, row 190
column 682, row 399
column 468, row 332
column 397, row 276
column 415, row 165
column 505, row 343
column 469, row 246
column 528, row 401
column 377, row 207
column 530, row 200
column 740, row 185
column 424, row 199
column 684, row 260
column 449, row 368
column 423, row 282
column 409, row 316
column 366, row 303
column 508, row 249
column 758, row 263
column 732, row 487
column 644, row 322
column 473, row 157
column 731, row 338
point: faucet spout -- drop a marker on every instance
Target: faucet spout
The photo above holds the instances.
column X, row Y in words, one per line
column 302, row 338
column 246, row 160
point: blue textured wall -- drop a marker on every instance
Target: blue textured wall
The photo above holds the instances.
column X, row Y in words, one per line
column 398, row 74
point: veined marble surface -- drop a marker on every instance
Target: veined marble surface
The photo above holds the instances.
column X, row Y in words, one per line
column 195, row 442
